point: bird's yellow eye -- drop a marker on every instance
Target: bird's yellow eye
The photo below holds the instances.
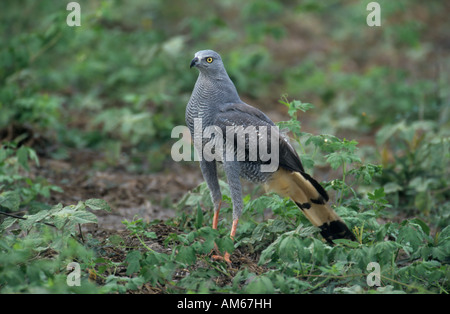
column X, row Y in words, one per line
column 209, row 59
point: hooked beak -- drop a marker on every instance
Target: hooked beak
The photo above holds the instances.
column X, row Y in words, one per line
column 193, row 62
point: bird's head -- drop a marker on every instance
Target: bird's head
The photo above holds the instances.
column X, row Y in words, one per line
column 207, row 61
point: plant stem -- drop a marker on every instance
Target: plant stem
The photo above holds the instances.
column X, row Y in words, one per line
column 344, row 172
column 143, row 244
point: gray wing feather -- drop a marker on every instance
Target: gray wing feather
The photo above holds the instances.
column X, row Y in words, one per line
column 241, row 114
column 245, row 113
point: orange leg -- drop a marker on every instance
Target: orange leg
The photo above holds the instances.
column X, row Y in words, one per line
column 214, row 226
column 226, row 257
column 233, row 228
column 216, row 217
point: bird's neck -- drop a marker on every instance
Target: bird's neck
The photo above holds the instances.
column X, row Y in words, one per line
column 219, row 88
column 210, row 92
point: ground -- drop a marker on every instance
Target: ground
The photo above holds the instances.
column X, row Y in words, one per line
column 129, row 194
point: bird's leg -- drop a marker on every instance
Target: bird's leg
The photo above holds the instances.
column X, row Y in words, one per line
column 232, row 170
column 209, row 172
column 226, row 257
column 216, row 216
column 214, row 225
column 233, row 228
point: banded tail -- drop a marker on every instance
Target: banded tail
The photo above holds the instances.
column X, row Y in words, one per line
column 311, row 198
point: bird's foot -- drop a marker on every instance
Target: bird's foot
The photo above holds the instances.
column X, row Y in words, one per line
column 216, row 257
column 225, row 258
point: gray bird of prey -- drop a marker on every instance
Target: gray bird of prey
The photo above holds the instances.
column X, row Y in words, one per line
column 215, row 103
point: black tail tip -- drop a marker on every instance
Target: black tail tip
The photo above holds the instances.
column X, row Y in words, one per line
column 336, row 230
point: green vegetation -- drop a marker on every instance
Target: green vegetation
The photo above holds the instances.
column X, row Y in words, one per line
column 367, row 109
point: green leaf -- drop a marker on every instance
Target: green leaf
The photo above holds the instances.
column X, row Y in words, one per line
column 337, row 159
column 422, row 225
column 444, row 237
column 133, row 259
column 199, row 217
column 377, row 194
column 225, row 244
column 33, row 156
column 410, row 237
column 97, row 204
column 10, row 200
column 392, row 187
column 292, row 249
column 78, row 207
column 8, row 222
column 83, row 217
column 186, row 255
column 307, row 161
column 32, row 219
column 295, row 105
column 260, row 285
column 441, row 253
column 292, row 125
column 22, row 157
column 346, row 242
column 150, row 234
column 302, row 106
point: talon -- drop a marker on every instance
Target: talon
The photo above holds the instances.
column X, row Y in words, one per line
column 225, row 258
column 217, row 257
